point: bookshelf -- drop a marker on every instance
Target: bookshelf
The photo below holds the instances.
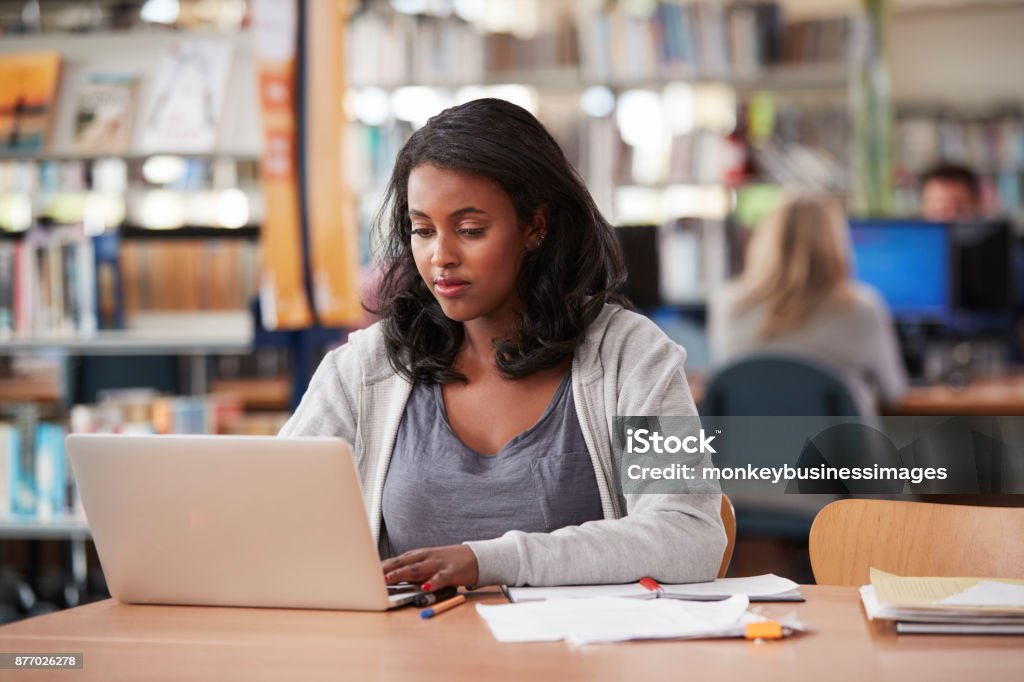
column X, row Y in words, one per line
column 69, row 193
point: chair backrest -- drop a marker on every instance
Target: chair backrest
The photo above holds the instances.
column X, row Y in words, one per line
column 915, row 538
column 777, row 386
column 729, row 521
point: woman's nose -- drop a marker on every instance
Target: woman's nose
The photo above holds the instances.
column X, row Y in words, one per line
column 445, row 253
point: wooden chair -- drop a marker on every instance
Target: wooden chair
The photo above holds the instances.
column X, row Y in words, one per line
column 729, row 521
column 915, row 538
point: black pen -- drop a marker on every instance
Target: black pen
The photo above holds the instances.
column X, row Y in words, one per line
column 431, row 598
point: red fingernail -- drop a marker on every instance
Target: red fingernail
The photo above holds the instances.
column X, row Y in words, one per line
column 425, row 587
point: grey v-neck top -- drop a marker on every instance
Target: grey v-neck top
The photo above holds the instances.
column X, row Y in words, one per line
column 440, row 492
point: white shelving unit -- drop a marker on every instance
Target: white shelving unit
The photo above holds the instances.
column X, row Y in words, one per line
column 64, row 527
column 192, row 334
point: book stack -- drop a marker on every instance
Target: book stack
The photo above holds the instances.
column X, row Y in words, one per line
column 920, row 605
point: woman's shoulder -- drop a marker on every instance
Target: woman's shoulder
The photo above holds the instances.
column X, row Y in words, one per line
column 866, row 301
column 617, row 331
column 364, row 349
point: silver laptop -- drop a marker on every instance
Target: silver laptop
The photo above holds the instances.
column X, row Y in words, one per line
column 230, row 521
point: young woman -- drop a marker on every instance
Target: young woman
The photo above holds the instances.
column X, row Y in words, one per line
column 796, row 295
column 480, row 407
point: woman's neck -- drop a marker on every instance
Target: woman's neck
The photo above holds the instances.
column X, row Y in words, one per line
column 480, row 334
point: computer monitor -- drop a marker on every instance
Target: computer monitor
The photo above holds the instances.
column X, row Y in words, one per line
column 908, row 262
column 640, row 252
column 983, row 261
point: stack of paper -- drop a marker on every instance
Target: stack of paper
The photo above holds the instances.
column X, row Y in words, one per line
column 946, row 605
column 756, row 588
column 612, row 619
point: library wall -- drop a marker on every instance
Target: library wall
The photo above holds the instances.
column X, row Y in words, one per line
column 947, row 56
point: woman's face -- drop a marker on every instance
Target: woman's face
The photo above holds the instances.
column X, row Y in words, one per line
column 467, row 243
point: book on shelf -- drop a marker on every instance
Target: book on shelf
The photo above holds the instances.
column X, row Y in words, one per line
column 27, row 100
column 35, row 480
column 188, row 95
column 104, row 113
column 109, row 289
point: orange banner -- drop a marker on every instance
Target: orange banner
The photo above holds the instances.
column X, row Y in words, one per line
column 282, row 290
column 333, row 225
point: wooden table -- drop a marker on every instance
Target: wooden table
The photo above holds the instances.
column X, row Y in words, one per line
column 997, row 396
column 985, row 397
column 122, row 642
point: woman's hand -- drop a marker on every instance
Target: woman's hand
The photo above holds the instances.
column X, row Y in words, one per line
column 434, row 567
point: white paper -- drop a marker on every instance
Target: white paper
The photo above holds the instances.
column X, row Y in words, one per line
column 988, row 593
column 610, row 619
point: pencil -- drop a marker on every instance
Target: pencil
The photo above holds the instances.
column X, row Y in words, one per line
column 443, row 606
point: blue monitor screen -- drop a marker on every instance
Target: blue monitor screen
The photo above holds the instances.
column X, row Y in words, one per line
column 908, row 262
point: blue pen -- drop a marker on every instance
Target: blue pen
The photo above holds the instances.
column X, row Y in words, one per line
column 443, row 606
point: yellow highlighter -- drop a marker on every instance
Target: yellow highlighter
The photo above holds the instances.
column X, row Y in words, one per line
column 766, row 629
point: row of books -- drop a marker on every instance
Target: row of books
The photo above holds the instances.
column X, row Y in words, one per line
column 182, row 115
column 144, row 411
column 59, row 283
column 189, row 274
column 603, row 43
column 990, row 143
column 705, row 39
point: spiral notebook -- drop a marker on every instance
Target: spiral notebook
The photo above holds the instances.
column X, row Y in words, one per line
column 767, row 587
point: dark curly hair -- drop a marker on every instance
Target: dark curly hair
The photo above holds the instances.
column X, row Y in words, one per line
column 563, row 284
column 952, row 172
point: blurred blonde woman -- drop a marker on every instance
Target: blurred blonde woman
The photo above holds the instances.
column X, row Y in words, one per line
column 797, row 296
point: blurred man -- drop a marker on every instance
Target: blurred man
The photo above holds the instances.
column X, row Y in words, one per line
column 950, row 192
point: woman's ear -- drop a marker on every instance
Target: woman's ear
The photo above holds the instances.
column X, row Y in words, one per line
column 538, row 228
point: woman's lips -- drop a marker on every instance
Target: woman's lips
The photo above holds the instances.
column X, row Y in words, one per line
column 449, row 287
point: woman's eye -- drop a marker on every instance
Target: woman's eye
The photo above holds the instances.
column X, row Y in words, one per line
column 471, row 231
column 422, row 231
